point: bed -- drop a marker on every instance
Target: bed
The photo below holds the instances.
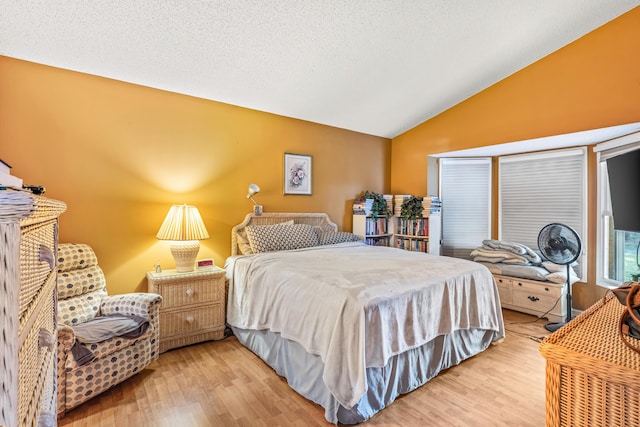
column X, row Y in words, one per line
column 351, row 326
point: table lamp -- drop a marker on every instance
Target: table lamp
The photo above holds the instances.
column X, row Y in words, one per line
column 253, row 190
column 183, row 226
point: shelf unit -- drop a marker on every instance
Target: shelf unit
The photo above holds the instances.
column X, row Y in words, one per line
column 375, row 232
column 422, row 234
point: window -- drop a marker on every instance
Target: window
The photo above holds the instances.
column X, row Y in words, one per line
column 541, row 188
column 617, row 257
column 465, row 190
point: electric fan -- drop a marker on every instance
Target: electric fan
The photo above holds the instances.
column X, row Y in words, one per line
column 560, row 244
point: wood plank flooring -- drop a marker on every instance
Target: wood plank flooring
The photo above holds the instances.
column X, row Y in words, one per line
column 221, row 383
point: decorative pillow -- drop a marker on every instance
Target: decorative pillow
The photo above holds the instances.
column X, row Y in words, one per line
column 280, row 237
column 525, row 272
column 561, row 278
column 243, row 243
column 557, row 268
column 243, row 240
column 332, row 237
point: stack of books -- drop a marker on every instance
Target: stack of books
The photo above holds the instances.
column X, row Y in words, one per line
column 362, row 206
column 389, row 199
column 6, row 179
column 398, row 200
column 431, row 205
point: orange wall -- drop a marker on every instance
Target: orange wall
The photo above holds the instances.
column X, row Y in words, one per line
column 120, row 155
column 594, row 82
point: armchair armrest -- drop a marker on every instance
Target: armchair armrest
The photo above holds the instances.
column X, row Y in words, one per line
column 66, row 337
column 139, row 303
column 146, row 305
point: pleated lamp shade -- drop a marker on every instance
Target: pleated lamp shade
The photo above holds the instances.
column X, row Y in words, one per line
column 184, row 227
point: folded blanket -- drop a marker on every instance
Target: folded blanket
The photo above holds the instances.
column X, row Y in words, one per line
column 515, row 248
column 114, row 325
column 494, row 255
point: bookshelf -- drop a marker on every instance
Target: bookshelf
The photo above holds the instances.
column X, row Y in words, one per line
column 374, row 231
column 422, row 234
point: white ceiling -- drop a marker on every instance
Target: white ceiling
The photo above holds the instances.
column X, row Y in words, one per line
column 375, row 66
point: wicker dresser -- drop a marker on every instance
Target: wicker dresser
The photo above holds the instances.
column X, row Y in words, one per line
column 28, row 248
column 592, row 378
column 193, row 305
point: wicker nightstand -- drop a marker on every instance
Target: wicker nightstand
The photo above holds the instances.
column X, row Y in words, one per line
column 193, row 305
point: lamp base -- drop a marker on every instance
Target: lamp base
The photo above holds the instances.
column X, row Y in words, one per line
column 185, row 254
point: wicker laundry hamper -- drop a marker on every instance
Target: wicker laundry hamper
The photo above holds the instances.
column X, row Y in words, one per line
column 592, row 378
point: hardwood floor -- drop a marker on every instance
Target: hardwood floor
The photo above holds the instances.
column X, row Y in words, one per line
column 221, row 383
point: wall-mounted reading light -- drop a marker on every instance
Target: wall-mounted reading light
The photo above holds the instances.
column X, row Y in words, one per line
column 253, row 190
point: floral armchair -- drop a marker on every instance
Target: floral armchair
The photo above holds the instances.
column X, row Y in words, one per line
column 90, row 358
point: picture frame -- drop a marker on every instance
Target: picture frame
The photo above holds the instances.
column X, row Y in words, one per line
column 297, row 174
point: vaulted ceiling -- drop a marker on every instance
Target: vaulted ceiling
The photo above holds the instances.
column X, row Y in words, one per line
column 374, row 66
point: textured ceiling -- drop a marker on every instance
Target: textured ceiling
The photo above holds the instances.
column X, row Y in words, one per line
column 375, row 66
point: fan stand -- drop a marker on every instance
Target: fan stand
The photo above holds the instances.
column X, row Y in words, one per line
column 554, row 326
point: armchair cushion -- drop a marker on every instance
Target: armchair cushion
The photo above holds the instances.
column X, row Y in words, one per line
column 134, row 304
column 81, row 284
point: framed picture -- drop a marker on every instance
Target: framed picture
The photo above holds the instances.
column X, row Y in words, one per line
column 297, row 174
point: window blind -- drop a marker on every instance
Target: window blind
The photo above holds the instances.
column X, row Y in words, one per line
column 465, row 190
column 539, row 189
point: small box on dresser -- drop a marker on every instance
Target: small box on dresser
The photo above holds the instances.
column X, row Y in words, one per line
column 28, row 248
column 193, row 305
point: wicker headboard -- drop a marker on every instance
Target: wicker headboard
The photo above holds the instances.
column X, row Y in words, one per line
column 320, row 220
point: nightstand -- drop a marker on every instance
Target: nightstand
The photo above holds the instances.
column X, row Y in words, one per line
column 193, row 305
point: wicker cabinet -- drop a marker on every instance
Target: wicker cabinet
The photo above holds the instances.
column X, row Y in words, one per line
column 533, row 297
column 193, row 305
column 28, row 248
column 592, row 378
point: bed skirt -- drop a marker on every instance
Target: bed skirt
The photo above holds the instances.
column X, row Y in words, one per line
column 402, row 374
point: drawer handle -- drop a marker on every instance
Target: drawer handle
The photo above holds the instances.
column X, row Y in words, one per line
column 546, row 289
column 519, row 284
column 45, row 339
column 533, row 298
column 189, row 292
column 190, row 319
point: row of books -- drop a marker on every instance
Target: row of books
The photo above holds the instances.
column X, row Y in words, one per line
column 377, row 241
column 416, row 227
column 413, row 244
column 378, row 226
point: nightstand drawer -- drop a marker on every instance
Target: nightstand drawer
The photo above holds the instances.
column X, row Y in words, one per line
column 192, row 320
column 196, row 291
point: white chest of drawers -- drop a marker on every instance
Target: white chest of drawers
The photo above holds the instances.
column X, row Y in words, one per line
column 544, row 299
column 28, row 248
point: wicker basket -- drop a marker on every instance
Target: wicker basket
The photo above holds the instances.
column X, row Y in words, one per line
column 592, row 378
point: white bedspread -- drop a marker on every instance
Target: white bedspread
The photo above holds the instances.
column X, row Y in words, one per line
column 356, row 305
